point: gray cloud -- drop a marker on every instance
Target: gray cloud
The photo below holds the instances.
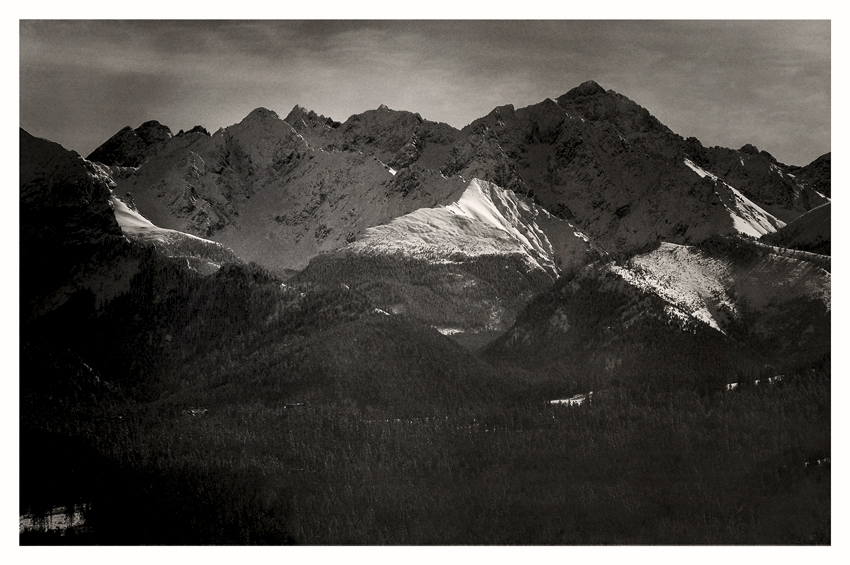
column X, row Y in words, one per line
column 727, row 83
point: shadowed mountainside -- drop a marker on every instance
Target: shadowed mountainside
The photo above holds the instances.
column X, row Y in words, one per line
column 810, row 232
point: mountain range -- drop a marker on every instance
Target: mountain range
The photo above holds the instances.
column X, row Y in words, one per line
column 399, row 267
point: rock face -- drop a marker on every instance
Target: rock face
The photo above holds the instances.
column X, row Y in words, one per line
column 282, row 191
column 314, row 127
column 599, row 159
column 764, row 180
column 76, row 233
column 816, row 175
column 68, row 229
column 131, row 147
column 63, row 196
column 266, row 191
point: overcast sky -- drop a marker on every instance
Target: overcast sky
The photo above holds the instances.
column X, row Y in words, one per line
column 727, row 83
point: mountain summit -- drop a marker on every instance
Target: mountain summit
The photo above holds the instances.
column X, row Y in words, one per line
column 130, row 147
column 592, row 157
column 587, row 88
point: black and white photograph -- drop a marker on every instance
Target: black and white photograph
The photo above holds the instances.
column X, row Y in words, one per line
column 424, row 282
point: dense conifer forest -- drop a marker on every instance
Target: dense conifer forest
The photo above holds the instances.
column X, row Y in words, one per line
column 233, row 409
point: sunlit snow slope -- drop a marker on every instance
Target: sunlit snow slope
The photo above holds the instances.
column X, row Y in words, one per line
column 201, row 254
column 715, row 289
column 485, row 220
column 134, row 224
column 747, row 217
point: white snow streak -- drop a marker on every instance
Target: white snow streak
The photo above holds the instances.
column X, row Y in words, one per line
column 750, row 219
column 692, row 283
column 133, row 223
column 501, row 210
column 485, row 220
column 747, row 217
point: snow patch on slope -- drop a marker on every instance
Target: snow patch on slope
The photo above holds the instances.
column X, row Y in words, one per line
column 485, row 220
column 700, row 171
column 576, row 400
column 750, row 219
column 691, row 282
column 747, row 217
column 713, row 289
column 133, row 223
column 173, row 243
column 502, row 210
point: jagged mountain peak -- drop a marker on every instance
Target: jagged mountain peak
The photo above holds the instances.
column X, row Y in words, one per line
column 504, row 111
column 298, row 111
column 197, row 129
column 383, row 131
column 750, row 149
column 262, row 126
column 384, row 112
column 591, row 102
column 300, row 118
column 497, row 115
column 153, row 131
column 592, row 156
column 131, row 147
column 587, row 88
column 261, row 114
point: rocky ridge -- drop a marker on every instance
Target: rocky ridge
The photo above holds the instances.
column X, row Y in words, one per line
column 131, row 147
column 282, row 191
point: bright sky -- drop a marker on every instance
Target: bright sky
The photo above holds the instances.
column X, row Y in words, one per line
column 727, row 83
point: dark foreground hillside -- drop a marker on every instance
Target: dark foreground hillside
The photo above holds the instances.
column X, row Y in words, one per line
column 230, row 409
